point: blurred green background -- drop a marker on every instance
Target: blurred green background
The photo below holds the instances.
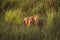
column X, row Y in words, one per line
column 12, row 13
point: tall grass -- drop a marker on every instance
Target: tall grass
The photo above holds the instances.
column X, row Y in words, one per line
column 12, row 28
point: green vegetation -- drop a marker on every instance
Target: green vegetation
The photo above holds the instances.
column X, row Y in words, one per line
column 12, row 13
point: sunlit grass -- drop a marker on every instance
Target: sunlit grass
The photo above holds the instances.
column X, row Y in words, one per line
column 13, row 16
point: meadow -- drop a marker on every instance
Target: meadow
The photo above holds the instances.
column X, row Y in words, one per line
column 12, row 12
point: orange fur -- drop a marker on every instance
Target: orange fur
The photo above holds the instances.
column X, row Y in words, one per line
column 31, row 20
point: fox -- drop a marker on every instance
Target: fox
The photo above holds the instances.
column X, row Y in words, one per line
column 27, row 21
column 31, row 20
column 35, row 19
